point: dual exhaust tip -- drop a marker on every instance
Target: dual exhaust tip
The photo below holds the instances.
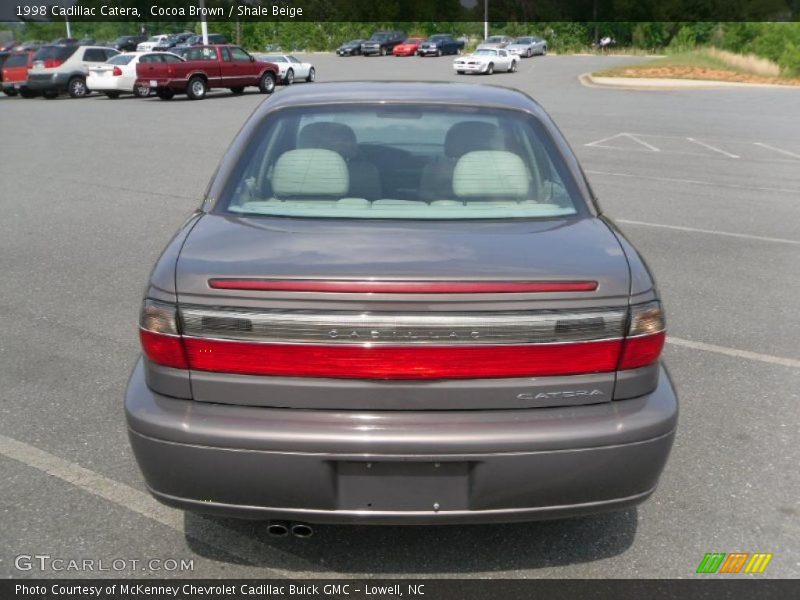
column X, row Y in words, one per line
column 284, row 528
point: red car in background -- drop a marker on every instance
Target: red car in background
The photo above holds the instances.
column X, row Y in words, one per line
column 15, row 74
column 409, row 47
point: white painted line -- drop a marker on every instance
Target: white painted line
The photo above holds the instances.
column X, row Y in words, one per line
column 241, row 546
column 757, row 356
column 746, row 236
column 714, row 148
column 643, row 143
column 608, row 139
column 697, row 182
column 773, row 148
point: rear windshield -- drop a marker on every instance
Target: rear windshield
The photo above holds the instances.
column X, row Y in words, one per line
column 120, row 59
column 55, row 52
column 17, row 60
column 401, row 162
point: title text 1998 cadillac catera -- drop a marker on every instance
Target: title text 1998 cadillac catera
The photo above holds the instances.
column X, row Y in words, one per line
column 400, row 303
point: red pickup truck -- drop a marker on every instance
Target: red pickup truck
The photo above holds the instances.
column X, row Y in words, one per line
column 207, row 67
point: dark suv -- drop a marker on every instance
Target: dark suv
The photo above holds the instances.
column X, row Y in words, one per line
column 400, row 303
column 382, row 43
column 128, row 43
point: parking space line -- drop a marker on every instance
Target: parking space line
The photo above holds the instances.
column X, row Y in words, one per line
column 630, row 136
column 714, row 148
column 746, row 236
column 211, row 534
column 696, row 182
column 779, row 150
column 643, row 143
column 757, row 356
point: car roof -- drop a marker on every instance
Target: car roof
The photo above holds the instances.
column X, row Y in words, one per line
column 357, row 92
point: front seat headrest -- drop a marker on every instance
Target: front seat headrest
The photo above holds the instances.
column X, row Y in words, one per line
column 469, row 136
column 490, row 174
column 330, row 136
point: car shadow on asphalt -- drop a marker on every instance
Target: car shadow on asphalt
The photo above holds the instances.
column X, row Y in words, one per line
column 444, row 549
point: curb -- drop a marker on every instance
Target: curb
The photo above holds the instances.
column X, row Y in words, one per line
column 652, row 84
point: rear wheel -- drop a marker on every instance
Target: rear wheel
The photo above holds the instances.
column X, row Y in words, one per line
column 197, row 88
column 383, row 51
column 77, row 87
column 165, row 93
column 490, row 69
column 289, row 79
column 112, row 95
column 312, row 75
column 11, row 92
column 544, row 51
column 267, row 83
column 439, row 52
column 238, row 90
column 141, row 91
column 513, row 66
column 26, row 93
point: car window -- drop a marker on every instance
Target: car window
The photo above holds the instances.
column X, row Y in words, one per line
column 502, row 53
column 239, row 54
column 16, row 60
column 292, row 59
column 226, row 55
column 170, row 58
column 94, row 55
column 120, row 59
column 276, row 59
column 110, row 53
column 401, row 162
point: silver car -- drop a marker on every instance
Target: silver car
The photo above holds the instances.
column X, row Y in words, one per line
column 496, row 41
column 528, row 46
column 400, row 303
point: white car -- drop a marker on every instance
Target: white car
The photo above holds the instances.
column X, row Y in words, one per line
column 153, row 42
column 291, row 68
column 118, row 75
column 486, row 60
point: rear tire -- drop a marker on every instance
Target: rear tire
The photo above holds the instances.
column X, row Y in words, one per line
column 460, row 72
column 544, row 51
column 197, row 88
column 77, row 87
column 165, row 93
column 11, row 92
column 513, row 67
column 141, row 91
column 289, row 79
column 312, row 75
column 267, row 83
column 490, row 69
column 238, row 90
column 439, row 52
column 112, row 95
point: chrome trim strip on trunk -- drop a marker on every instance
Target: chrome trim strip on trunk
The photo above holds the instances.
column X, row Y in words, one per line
column 350, row 327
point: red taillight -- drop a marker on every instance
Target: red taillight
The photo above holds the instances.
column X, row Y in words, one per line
column 158, row 333
column 117, row 72
column 162, row 349
column 641, row 351
column 402, row 362
column 402, row 287
column 52, row 63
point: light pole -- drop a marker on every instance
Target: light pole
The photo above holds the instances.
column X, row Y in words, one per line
column 69, row 33
column 485, row 19
column 203, row 23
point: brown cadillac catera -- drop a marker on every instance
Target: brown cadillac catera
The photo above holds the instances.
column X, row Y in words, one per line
column 400, row 303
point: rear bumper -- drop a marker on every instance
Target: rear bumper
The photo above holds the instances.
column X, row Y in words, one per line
column 49, row 82
column 392, row 467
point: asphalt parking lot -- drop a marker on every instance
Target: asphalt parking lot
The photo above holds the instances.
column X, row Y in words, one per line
column 706, row 184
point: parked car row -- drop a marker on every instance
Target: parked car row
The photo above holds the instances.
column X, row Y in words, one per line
column 383, row 43
column 193, row 70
